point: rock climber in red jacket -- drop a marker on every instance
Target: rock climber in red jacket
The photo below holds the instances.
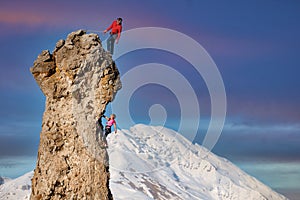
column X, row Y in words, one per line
column 115, row 33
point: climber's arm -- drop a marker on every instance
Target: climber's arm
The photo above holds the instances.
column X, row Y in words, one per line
column 110, row 27
column 119, row 35
column 115, row 127
column 105, row 117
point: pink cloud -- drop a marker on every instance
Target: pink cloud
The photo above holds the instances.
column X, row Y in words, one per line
column 28, row 18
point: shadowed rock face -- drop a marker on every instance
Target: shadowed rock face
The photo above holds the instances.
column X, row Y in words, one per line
column 78, row 80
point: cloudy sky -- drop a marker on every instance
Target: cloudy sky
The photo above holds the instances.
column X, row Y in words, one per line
column 255, row 45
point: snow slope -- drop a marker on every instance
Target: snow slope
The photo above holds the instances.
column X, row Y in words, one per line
column 149, row 162
column 17, row 189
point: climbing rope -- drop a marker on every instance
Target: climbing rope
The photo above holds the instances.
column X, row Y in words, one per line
column 102, row 34
column 96, row 31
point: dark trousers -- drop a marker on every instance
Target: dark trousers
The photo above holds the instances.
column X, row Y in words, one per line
column 107, row 130
column 111, row 43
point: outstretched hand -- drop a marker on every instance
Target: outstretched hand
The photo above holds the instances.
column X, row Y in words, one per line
column 105, row 31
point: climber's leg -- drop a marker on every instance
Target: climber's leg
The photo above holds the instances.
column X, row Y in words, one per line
column 111, row 43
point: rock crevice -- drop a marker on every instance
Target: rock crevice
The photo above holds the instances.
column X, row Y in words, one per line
column 78, row 79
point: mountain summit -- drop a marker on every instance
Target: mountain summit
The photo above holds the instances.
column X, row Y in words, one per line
column 78, row 79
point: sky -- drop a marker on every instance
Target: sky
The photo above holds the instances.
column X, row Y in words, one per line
column 254, row 44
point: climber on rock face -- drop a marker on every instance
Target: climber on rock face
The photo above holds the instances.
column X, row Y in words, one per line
column 116, row 29
column 110, row 122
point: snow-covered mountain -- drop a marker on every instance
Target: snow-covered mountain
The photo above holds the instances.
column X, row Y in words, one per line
column 17, row 189
column 148, row 162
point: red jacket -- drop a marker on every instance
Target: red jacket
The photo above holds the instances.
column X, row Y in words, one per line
column 115, row 29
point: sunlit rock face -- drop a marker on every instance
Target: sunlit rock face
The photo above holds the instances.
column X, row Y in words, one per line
column 78, row 79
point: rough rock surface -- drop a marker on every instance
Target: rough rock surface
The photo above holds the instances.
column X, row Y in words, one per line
column 78, row 80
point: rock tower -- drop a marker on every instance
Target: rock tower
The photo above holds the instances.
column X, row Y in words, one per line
column 78, row 79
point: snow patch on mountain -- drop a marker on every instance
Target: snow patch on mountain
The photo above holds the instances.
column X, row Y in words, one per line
column 4, row 180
